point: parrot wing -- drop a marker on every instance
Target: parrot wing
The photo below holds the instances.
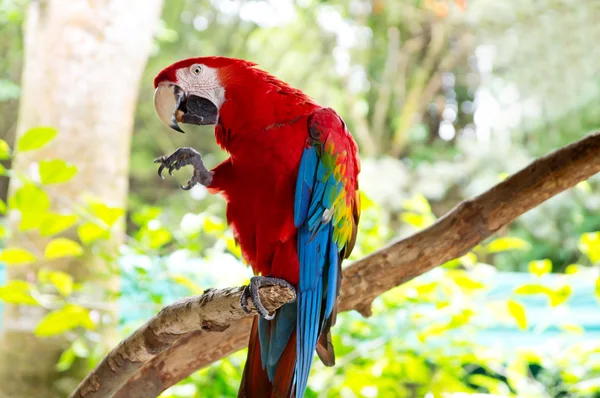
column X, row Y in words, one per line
column 326, row 213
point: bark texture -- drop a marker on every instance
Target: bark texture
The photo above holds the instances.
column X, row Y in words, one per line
column 469, row 223
column 83, row 63
column 213, row 311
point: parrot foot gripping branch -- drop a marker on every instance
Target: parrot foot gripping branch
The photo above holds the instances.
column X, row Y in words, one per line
column 251, row 291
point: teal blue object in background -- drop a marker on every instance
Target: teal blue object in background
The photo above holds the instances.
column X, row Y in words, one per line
column 144, row 291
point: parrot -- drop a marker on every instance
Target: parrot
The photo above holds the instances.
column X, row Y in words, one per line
column 290, row 184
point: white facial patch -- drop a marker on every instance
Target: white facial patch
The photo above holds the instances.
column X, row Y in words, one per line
column 204, row 84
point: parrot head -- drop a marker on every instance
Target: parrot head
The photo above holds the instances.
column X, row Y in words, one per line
column 193, row 90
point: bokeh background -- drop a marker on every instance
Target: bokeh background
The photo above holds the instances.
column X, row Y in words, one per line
column 445, row 98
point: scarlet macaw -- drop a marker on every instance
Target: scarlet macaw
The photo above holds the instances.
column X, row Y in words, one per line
column 291, row 189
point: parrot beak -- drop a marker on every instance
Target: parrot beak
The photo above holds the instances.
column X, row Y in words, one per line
column 167, row 99
column 172, row 105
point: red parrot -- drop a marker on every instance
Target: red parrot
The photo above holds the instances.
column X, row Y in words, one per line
column 290, row 184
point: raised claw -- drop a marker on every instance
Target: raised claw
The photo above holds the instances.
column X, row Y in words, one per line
column 162, row 166
column 184, row 157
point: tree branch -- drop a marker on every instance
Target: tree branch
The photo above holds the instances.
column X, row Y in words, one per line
column 454, row 234
column 213, row 311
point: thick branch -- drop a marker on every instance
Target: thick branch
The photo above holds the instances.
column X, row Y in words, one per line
column 451, row 236
column 214, row 311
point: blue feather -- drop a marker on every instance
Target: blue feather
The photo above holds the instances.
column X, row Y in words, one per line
column 263, row 335
column 313, row 262
column 316, row 190
column 332, row 278
column 304, row 184
column 316, row 199
column 281, row 330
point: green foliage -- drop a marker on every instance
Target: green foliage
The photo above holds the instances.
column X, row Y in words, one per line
column 30, row 199
column 36, row 138
column 4, row 150
column 16, row 256
column 55, row 223
column 507, row 243
column 517, row 310
column 62, row 281
column 56, row 171
column 17, row 292
column 62, row 247
column 64, row 319
column 540, row 267
column 89, row 232
column 589, row 244
column 8, row 90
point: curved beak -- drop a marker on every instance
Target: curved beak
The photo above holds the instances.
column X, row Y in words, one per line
column 167, row 99
column 173, row 106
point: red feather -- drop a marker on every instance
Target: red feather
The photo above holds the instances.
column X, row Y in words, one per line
column 255, row 383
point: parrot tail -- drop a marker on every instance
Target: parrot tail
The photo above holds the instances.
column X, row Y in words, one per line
column 275, row 341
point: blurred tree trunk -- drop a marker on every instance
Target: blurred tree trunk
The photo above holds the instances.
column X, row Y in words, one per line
column 83, row 64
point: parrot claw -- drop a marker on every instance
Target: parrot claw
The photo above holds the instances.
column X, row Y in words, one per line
column 183, row 157
column 251, row 291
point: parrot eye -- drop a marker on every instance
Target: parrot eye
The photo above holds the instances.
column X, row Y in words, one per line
column 196, row 69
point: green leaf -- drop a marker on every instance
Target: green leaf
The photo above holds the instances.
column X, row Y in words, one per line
column 62, row 281
column 8, row 89
column 146, row 214
column 89, row 232
column 233, row 247
column 54, row 223
column 2, row 207
column 517, row 311
column 30, row 199
column 464, row 281
column 589, row 244
column 66, row 360
column 584, row 186
column 80, row 349
column 572, row 269
column 213, row 225
column 494, row 386
column 598, row 289
column 4, row 150
column 30, row 221
column 416, row 369
column 17, row 292
column 56, row 171
column 533, row 288
column 158, row 238
column 109, row 215
column 16, row 256
column 418, row 203
column 67, row 318
column 506, row 244
column 540, row 267
column 62, row 247
column 188, row 283
column 572, row 328
column 33, row 203
column 36, row 138
column 559, row 296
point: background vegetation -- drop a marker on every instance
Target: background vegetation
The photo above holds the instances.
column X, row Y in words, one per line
column 445, row 99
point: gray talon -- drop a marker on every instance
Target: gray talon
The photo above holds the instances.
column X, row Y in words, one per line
column 184, row 157
column 251, row 291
